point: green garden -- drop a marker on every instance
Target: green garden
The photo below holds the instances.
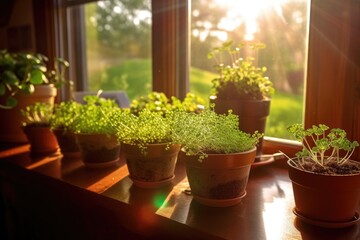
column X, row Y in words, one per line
column 118, row 52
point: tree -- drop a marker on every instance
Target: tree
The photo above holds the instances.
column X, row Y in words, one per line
column 125, row 25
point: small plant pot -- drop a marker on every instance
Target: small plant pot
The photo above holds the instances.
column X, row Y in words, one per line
column 155, row 169
column 98, row 150
column 67, row 142
column 330, row 201
column 42, row 140
column 219, row 180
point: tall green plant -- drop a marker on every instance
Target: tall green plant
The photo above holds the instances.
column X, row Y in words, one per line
column 240, row 79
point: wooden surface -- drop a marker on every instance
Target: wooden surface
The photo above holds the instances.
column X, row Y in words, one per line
column 333, row 68
column 104, row 204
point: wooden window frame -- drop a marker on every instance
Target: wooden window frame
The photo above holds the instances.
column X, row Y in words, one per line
column 333, row 71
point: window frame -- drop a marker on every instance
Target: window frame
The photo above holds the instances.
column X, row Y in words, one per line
column 332, row 93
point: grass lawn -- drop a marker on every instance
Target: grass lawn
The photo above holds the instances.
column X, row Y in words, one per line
column 134, row 77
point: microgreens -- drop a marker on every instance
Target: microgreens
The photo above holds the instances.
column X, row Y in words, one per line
column 208, row 132
column 64, row 114
column 319, row 140
column 38, row 114
column 241, row 79
column 91, row 117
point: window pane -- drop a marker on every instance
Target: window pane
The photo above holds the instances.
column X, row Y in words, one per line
column 280, row 24
column 118, row 46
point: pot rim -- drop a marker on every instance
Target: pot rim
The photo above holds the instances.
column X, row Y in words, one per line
column 290, row 164
column 223, row 154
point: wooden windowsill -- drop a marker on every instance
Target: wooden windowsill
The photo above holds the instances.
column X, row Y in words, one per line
column 110, row 203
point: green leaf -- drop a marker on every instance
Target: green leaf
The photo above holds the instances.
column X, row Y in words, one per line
column 27, row 88
column 40, row 67
column 36, row 76
column 10, row 77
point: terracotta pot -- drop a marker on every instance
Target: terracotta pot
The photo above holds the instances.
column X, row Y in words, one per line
column 67, row 142
column 154, row 169
column 11, row 119
column 98, row 150
column 220, row 179
column 323, row 199
column 41, row 138
column 252, row 114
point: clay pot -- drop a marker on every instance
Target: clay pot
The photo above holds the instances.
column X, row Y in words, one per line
column 67, row 142
column 219, row 180
column 11, row 119
column 42, row 140
column 98, row 150
column 156, row 168
column 325, row 200
column 252, row 114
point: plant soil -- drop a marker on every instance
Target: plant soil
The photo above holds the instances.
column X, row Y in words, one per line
column 332, row 168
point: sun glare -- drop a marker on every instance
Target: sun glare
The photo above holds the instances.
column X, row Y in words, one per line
column 246, row 12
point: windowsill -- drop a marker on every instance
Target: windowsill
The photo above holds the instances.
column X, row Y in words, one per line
column 273, row 145
column 98, row 194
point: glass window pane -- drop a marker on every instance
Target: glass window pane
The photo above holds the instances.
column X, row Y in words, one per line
column 118, row 46
column 280, row 24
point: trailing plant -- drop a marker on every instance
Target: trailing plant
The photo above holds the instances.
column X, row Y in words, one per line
column 91, row 116
column 38, row 114
column 322, row 145
column 64, row 115
column 159, row 102
column 239, row 78
column 147, row 127
column 209, row 132
column 20, row 72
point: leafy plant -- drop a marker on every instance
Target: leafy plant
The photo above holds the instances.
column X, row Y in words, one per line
column 20, row 72
column 64, row 115
column 240, row 79
column 147, row 127
column 159, row 102
column 91, row 116
column 38, row 114
column 208, row 132
column 320, row 140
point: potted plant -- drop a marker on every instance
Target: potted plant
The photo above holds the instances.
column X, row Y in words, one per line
column 242, row 87
column 94, row 133
column 217, row 155
column 159, row 102
column 36, row 127
column 326, row 183
column 25, row 80
column 146, row 142
column 60, row 122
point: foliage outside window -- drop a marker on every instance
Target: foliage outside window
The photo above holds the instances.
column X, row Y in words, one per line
column 119, row 49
